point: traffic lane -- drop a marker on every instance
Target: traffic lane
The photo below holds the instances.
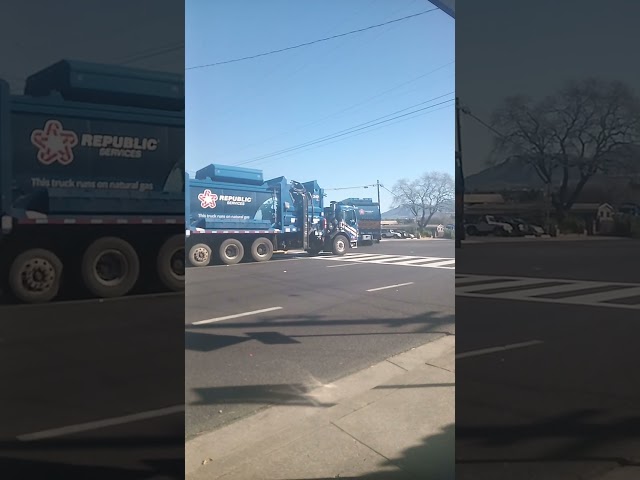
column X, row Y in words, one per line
column 601, row 260
column 572, row 396
column 70, row 363
column 239, row 366
column 219, row 291
column 138, row 450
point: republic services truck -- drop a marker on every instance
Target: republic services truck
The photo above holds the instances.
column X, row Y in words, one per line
column 232, row 214
column 91, row 182
column 369, row 219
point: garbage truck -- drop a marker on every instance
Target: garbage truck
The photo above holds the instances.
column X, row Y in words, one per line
column 233, row 214
column 369, row 219
column 91, row 182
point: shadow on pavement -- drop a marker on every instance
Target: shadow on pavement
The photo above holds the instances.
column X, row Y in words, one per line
column 580, row 427
column 432, row 459
column 206, row 342
column 68, row 459
column 283, row 394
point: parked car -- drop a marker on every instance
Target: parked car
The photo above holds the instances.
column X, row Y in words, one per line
column 520, row 228
column 391, row 234
column 486, row 225
column 530, row 228
column 404, row 234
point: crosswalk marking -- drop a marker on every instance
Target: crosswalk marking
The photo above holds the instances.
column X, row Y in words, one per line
column 403, row 260
column 550, row 290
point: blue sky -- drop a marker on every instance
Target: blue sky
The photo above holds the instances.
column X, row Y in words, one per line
column 239, row 111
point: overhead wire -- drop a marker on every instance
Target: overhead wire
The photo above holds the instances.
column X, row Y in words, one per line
column 345, row 131
column 360, row 133
column 312, row 42
column 352, row 132
column 351, row 107
column 318, row 57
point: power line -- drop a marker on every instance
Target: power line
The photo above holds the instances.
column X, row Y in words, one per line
column 352, row 129
column 466, row 111
column 363, row 132
column 365, row 101
column 151, row 52
column 310, row 43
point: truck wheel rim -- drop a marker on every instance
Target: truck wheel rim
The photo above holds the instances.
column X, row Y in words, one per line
column 38, row 275
column 111, row 267
column 176, row 263
column 231, row 251
column 340, row 245
column 262, row 250
column 201, row 255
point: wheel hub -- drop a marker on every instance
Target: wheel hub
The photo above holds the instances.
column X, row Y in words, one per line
column 38, row 275
column 111, row 267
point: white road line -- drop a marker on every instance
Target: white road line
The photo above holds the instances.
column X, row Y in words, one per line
column 109, row 422
column 342, row 265
column 390, row 286
column 530, row 291
column 446, row 263
column 485, row 351
column 237, row 315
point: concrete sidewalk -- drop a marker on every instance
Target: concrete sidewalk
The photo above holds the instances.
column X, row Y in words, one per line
column 394, row 420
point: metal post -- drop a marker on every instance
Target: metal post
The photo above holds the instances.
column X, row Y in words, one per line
column 378, row 185
column 459, row 182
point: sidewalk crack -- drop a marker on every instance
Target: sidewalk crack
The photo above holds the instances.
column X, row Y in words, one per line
column 389, row 460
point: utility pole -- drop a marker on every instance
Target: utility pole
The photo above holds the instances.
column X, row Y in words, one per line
column 378, row 185
column 459, row 182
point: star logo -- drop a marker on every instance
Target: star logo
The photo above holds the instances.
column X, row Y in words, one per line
column 208, row 199
column 362, row 212
column 54, row 143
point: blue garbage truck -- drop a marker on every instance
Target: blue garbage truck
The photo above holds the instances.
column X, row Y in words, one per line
column 91, row 182
column 369, row 219
column 232, row 214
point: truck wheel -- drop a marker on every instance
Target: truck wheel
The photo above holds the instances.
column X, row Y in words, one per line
column 170, row 264
column 340, row 245
column 262, row 249
column 200, row 255
column 231, row 251
column 110, row 267
column 34, row 276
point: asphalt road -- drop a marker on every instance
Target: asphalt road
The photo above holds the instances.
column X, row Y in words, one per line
column 569, row 389
column 324, row 324
column 68, row 364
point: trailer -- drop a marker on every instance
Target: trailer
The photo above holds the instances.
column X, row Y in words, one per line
column 369, row 219
column 234, row 214
column 91, row 182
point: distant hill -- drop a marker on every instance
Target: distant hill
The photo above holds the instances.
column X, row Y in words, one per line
column 518, row 174
column 403, row 212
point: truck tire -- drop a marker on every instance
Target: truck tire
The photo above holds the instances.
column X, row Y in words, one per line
column 231, row 251
column 340, row 245
column 170, row 263
column 262, row 249
column 200, row 255
column 34, row 276
column 110, row 267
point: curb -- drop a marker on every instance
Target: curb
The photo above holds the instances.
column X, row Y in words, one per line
column 277, row 426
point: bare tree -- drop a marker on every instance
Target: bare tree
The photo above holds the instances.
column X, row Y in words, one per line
column 425, row 196
column 584, row 129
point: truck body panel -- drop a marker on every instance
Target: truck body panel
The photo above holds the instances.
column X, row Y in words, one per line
column 228, row 203
column 369, row 219
column 89, row 146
